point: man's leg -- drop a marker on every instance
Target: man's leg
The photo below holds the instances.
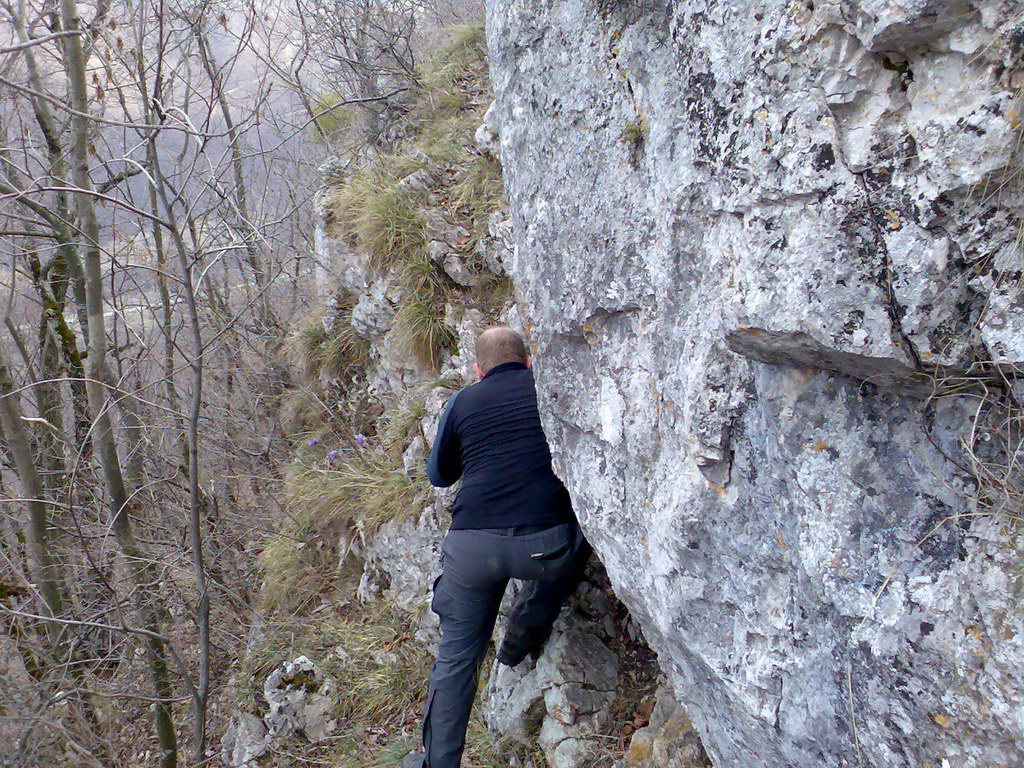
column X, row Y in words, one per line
column 537, row 607
column 466, row 599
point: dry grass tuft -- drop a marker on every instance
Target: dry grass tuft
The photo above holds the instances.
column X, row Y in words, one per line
column 485, row 749
column 994, row 449
column 455, row 77
column 452, row 96
column 422, row 329
column 402, row 424
column 379, row 216
column 331, row 503
column 385, row 221
column 422, row 277
column 385, row 667
column 334, row 352
column 363, row 491
column 300, row 413
column 478, row 191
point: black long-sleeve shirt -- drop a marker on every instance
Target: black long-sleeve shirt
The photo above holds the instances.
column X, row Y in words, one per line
column 490, row 435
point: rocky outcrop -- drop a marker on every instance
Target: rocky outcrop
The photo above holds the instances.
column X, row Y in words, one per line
column 298, row 696
column 567, row 701
column 564, row 701
column 812, row 565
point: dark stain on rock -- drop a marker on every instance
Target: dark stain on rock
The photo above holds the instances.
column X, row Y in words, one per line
column 965, row 126
column 854, row 321
column 878, row 175
column 1015, row 45
column 706, row 112
column 824, row 157
column 942, row 539
column 942, row 205
column 898, row 64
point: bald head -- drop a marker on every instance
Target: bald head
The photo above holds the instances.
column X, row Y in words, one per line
column 499, row 345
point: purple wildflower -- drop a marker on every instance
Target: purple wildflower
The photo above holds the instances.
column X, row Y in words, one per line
column 360, row 440
column 313, row 442
column 332, row 455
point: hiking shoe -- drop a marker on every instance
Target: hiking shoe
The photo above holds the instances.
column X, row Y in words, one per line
column 413, row 760
column 520, row 642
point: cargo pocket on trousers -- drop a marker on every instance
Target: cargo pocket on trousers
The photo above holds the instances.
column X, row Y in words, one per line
column 436, row 600
column 437, row 581
column 553, row 558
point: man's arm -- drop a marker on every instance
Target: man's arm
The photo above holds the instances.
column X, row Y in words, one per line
column 445, row 465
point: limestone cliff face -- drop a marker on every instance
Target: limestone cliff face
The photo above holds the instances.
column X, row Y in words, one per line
column 802, row 552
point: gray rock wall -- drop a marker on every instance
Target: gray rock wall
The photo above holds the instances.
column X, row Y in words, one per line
column 807, row 561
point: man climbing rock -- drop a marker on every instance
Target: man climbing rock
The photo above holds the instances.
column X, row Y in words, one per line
column 512, row 519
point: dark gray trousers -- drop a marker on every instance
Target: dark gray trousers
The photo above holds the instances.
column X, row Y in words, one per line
column 477, row 565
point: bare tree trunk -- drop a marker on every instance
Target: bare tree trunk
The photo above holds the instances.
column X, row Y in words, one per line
column 58, row 171
column 161, row 192
column 68, row 262
column 51, row 436
column 197, row 501
column 45, row 572
column 143, row 572
column 50, row 283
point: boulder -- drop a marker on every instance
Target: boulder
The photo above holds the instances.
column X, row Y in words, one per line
column 418, row 186
column 245, row 739
column 299, row 698
column 563, row 701
column 486, row 136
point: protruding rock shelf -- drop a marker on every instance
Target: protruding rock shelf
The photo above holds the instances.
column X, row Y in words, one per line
column 795, row 348
column 798, row 349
